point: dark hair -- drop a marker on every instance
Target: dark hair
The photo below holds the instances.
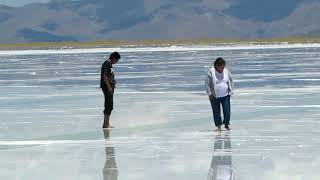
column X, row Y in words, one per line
column 219, row 62
column 115, row 55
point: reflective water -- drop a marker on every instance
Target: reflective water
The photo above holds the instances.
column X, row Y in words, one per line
column 51, row 114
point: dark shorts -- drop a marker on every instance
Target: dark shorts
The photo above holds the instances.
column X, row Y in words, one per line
column 108, row 102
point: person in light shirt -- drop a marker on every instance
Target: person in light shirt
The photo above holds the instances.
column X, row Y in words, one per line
column 219, row 86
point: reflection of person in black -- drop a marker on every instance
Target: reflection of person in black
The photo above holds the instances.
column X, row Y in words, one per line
column 110, row 171
column 221, row 164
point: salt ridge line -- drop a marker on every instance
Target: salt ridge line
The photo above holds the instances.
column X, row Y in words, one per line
column 155, row 49
column 34, row 142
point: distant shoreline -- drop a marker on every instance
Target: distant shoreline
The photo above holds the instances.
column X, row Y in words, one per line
column 154, row 43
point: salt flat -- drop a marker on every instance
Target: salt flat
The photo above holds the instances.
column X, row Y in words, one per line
column 51, row 114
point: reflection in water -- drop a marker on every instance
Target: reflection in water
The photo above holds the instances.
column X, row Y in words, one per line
column 110, row 171
column 221, row 164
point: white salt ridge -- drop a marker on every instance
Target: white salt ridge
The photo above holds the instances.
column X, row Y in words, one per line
column 157, row 49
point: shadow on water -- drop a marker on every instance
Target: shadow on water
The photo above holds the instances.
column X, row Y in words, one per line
column 221, row 165
column 110, row 170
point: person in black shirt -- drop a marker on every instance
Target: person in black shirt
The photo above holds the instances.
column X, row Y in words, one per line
column 107, row 84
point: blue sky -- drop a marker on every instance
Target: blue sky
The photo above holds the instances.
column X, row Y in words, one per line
column 19, row 2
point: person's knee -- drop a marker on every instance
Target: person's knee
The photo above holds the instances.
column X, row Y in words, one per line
column 107, row 113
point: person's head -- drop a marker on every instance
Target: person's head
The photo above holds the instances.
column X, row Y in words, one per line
column 219, row 64
column 114, row 57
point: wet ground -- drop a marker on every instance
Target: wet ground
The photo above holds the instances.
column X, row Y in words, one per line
column 51, row 115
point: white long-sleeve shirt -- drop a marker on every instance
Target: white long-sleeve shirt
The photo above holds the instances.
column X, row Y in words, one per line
column 216, row 83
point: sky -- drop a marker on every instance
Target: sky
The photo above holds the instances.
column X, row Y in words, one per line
column 19, row 2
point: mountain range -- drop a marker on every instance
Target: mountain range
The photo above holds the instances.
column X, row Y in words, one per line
column 87, row 20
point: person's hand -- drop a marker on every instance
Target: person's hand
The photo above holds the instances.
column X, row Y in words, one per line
column 211, row 97
column 110, row 91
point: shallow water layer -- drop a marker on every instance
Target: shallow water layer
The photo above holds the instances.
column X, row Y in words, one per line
column 51, row 114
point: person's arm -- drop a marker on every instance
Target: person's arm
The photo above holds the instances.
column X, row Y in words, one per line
column 231, row 82
column 208, row 85
column 106, row 80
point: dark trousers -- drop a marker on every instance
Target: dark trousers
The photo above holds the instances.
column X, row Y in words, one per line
column 108, row 102
column 216, row 104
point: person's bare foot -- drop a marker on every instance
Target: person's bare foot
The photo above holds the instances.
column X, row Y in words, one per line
column 107, row 127
column 227, row 127
column 218, row 128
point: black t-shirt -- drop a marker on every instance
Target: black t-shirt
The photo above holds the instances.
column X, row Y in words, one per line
column 108, row 71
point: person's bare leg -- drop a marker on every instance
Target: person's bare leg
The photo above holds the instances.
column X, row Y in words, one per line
column 106, row 122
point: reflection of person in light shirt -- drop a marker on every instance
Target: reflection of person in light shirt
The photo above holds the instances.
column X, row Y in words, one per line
column 221, row 164
column 110, row 171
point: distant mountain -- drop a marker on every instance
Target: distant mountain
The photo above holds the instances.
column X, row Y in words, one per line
column 267, row 11
column 82, row 20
